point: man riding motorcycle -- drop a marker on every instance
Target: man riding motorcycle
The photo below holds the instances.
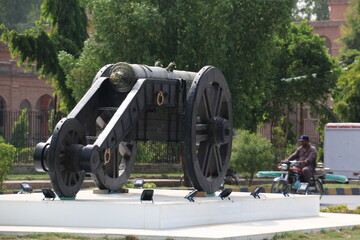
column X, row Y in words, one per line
column 306, row 154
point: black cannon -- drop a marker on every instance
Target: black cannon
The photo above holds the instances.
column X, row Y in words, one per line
column 128, row 103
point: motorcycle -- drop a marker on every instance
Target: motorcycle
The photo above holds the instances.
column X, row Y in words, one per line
column 290, row 181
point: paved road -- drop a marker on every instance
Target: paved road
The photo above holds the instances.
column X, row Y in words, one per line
column 352, row 201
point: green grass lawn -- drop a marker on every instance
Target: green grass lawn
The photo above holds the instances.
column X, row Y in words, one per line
column 349, row 234
column 18, row 177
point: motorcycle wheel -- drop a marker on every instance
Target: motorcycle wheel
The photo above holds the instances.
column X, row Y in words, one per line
column 279, row 187
column 319, row 189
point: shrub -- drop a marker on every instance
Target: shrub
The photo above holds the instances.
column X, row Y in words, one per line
column 341, row 209
column 24, row 155
column 251, row 153
column 146, row 185
column 20, row 130
column 144, row 153
column 7, row 154
column 149, row 185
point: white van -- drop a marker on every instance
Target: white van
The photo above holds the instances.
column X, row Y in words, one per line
column 342, row 149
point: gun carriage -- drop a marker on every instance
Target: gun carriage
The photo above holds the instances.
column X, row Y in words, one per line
column 128, row 103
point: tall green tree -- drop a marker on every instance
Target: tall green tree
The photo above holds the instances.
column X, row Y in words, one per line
column 347, row 96
column 347, row 105
column 40, row 46
column 236, row 36
column 304, row 73
column 254, row 25
column 124, row 31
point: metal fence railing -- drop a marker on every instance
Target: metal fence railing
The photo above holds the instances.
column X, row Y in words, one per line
column 37, row 130
column 24, row 136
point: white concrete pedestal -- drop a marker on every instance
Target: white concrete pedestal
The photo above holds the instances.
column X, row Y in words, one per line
column 170, row 209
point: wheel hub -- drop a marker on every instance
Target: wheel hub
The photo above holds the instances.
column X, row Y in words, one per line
column 219, row 130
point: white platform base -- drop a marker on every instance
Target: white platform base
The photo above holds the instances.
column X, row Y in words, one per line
column 170, row 210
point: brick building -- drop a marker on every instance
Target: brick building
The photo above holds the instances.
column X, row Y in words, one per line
column 20, row 90
column 330, row 29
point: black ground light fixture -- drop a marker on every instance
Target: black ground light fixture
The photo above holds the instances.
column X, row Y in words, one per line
column 147, row 195
column 139, row 182
column 191, row 195
column 256, row 192
column 25, row 188
column 225, row 193
column 48, row 194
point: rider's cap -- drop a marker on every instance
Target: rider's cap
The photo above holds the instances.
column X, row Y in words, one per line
column 304, row 138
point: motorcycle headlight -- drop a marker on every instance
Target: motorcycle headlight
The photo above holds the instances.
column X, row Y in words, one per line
column 284, row 166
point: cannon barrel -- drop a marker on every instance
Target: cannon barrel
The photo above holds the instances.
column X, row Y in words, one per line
column 128, row 103
column 124, row 76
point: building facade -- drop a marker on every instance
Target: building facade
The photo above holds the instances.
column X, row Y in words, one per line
column 330, row 29
column 23, row 90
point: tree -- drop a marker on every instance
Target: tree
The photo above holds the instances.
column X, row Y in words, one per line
column 124, row 31
column 236, row 36
column 19, row 14
column 68, row 23
column 20, row 131
column 304, row 73
column 311, row 10
column 251, row 153
column 347, row 104
column 347, row 94
column 350, row 33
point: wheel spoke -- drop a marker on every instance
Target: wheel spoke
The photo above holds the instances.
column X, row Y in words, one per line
column 70, row 179
column 61, row 167
column 205, row 108
column 66, row 178
column 217, row 99
column 116, row 166
column 203, row 157
column 217, row 158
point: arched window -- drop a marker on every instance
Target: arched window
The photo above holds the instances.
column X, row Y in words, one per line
column 25, row 104
column 328, row 44
column 44, row 105
column 2, row 117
